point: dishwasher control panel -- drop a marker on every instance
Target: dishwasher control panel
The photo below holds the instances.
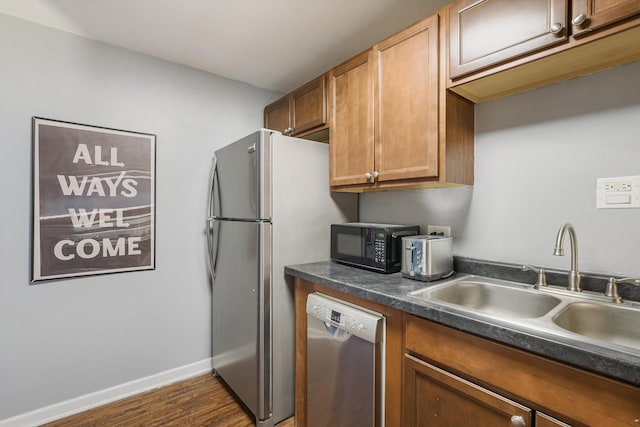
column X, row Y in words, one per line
column 356, row 320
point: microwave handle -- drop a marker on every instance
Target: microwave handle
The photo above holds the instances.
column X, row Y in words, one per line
column 397, row 234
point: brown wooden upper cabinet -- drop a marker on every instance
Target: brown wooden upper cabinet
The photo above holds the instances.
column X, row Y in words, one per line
column 351, row 121
column 484, row 33
column 277, row 116
column 301, row 111
column 384, row 121
column 386, row 113
column 487, row 32
column 500, row 47
column 406, row 103
column 591, row 15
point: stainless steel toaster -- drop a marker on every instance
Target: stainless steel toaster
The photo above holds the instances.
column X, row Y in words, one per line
column 427, row 258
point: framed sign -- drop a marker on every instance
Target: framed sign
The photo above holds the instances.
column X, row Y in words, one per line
column 93, row 200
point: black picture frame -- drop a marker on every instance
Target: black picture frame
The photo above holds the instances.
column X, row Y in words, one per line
column 93, row 200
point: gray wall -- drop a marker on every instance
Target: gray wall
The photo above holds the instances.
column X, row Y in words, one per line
column 63, row 339
column 537, row 157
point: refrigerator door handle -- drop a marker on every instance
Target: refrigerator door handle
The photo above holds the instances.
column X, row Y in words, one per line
column 213, row 237
column 213, row 242
column 214, row 202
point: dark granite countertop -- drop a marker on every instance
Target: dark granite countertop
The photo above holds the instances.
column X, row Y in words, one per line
column 392, row 290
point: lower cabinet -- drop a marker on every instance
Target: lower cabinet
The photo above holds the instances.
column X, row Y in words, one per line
column 439, row 376
column 453, row 378
column 434, row 397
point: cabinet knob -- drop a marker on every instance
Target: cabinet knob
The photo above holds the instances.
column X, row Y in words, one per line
column 367, row 176
column 556, row 28
column 579, row 19
column 518, row 421
column 288, row 131
column 375, row 174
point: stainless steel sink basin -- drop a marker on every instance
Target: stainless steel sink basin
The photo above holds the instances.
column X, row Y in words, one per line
column 616, row 325
column 495, row 300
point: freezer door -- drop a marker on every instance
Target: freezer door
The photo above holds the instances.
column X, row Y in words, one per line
column 242, row 179
column 241, row 312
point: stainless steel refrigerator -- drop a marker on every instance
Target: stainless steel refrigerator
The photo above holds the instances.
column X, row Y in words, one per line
column 269, row 206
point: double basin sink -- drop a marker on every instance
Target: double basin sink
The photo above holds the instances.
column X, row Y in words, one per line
column 584, row 316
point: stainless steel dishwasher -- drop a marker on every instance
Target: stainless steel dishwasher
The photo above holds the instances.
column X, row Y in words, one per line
column 345, row 364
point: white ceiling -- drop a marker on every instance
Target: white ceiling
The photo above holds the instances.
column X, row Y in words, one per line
column 273, row 44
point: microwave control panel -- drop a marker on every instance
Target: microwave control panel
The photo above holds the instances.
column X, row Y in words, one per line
column 379, row 247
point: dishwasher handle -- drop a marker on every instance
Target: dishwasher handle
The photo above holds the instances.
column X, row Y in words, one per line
column 346, row 319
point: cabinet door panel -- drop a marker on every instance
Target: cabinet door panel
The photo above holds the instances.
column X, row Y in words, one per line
column 600, row 13
column 543, row 420
column 276, row 115
column 434, row 397
column 308, row 106
column 487, row 32
column 351, row 123
column 407, row 103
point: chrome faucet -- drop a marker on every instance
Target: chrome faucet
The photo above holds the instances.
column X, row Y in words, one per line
column 574, row 275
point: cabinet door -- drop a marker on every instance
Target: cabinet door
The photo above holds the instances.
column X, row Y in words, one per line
column 276, row 116
column 483, row 33
column 434, row 397
column 406, row 103
column 544, row 420
column 351, row 121
column 309, row 106
column 589, row 15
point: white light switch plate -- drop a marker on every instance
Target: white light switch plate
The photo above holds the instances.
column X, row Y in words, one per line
column 618, row 192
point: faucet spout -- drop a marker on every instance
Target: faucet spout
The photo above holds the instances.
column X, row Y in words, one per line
column 574, row 275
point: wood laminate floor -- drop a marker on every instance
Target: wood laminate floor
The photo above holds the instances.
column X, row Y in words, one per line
column 200, row 401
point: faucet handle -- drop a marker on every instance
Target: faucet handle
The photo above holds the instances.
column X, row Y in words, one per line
column 542, row 277
column 611, row 290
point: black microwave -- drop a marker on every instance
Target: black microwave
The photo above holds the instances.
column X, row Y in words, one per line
column 376, row 247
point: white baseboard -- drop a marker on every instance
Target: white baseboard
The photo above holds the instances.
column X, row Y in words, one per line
column 111, row 394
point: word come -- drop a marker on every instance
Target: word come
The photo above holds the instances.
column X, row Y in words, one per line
column 66, row 250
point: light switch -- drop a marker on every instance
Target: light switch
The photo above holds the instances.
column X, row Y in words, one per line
column 617, row 199
column 618, row 192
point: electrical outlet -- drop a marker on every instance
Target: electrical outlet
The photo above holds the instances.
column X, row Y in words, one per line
column 617, row 186
column 618, row 192
column 439, row 230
